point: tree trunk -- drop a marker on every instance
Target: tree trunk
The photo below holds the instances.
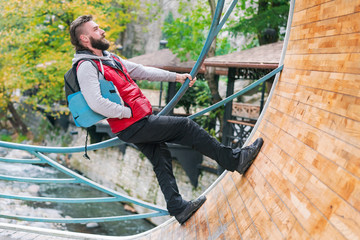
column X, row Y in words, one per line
column 16, row 121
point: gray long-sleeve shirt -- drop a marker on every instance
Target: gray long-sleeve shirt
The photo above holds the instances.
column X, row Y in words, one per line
column 90, row 88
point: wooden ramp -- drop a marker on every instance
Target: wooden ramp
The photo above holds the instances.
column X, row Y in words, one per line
column 305, row 183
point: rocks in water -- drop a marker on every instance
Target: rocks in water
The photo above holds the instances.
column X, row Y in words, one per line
column 129, row 208
column 33, row 189
column 92, row 225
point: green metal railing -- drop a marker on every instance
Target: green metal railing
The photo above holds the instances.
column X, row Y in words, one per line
column 113, row 196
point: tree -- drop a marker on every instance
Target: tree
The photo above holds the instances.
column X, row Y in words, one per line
column 35, row 44
column 261, row 20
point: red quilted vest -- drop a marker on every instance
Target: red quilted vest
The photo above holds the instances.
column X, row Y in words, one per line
column 130, row 94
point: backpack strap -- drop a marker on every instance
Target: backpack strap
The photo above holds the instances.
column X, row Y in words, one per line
column 76, row 67
column 119, row 65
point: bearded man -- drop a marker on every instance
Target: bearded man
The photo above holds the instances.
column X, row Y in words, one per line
column 133, row 120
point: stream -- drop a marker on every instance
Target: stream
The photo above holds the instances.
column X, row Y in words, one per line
column 61, row 210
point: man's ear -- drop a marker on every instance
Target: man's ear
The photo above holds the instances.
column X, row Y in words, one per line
column 84, row 38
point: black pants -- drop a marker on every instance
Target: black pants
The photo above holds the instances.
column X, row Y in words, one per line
column 150, row 135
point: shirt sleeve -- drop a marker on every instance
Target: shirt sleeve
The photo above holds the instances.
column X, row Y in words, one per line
column 90, row 88
column 140, row 72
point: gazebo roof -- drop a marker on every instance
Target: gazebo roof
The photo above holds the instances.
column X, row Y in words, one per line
column 265, row 56
column 166, row 60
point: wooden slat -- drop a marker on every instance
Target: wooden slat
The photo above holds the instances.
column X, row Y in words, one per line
column 241, row 123
column 339, row 63
column 332, row 9
column 340, row 127
column 316, row 188
column 202, row 226
column 215, row 226
column 308, row 216
column 279, row 213
column 188, row 229
column 305, row 4
column 337, row 103
column 240, row 212
column 344, row 155
column 262, row 220
column 335, row 82
column 342, row 182
column 344, row 43
column 330, row 27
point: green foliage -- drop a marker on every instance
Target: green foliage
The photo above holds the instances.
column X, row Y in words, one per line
column 6, row 138
column 198, row 95
column 17, row 138
column 36, row 49
column 255, row 17
column 149, row 85
column 186, row 35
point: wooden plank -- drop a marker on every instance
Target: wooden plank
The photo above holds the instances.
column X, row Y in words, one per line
column 240, row 213
column 330, row 27
column 178, row 231
column 338, row 126
column 308, row 216
column 241, row 123
column 335, row 82
column 157, row 234
column 341, row 181
column 337, row 103
column 202, row 226
column 168, row 232
column 262, row 220
column 332, row 9
column 305, row 4
column 297, row 232
column 280, row 214
column 339, row 63
column 189, row 229
column 225, row 214
column 231, row 232
column 215, row 226
column 296, row 168
column 345, row 43
column 344, row 155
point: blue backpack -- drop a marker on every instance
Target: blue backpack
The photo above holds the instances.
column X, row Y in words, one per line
column 82, row 114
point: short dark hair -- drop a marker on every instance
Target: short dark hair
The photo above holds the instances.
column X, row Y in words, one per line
column 76, row 31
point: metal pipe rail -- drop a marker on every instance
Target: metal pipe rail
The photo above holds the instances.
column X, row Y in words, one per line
column 215, row 28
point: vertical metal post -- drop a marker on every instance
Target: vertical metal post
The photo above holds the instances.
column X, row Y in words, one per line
column 228, row 107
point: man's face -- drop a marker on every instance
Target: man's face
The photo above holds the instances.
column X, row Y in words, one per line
column 96, row 36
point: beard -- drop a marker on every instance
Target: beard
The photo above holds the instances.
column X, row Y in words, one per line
column 101, row 44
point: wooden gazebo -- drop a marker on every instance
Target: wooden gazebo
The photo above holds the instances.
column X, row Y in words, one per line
column 247, row 64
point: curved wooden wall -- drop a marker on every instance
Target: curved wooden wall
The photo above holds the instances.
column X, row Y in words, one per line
column 305, row 183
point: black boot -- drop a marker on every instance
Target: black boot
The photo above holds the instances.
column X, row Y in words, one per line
column 190, row 209
column 248, row 155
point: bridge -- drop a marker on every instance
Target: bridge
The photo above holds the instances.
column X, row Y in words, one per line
column 305, row 183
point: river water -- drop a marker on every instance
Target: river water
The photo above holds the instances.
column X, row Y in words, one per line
column 61, row 210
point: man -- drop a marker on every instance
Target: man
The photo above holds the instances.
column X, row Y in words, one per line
column 133, row 121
